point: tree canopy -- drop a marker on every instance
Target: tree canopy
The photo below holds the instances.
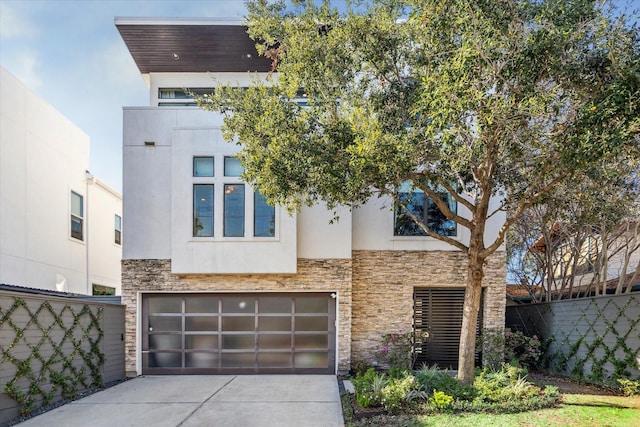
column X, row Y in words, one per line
column 502, row 99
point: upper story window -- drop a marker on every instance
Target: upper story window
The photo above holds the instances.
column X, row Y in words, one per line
column 77, row 216
column 234, row 210
column 232, row 166
column 180, row 97
column 118, row 229
column 203, row 166
column 203, row 210
column 426, row 210
column 264, row 217
column 242, row 207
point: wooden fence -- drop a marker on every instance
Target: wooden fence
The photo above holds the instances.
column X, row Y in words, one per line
column 54, row 348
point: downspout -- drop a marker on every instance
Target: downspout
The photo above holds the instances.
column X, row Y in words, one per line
column 90, row 179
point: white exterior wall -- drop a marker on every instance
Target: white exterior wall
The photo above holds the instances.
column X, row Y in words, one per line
column 373, row 226
column 159, row 215
column 104, row 203
column 43, row 157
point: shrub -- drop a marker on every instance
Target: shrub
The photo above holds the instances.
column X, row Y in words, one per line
column 629, row 387
column 398, row 348
column 441, row 400
column 518, row 346
column 395, row 393
column 503, row 390
column 508, row 383
column 369, row 388
column 432, row 378
column 499, row 346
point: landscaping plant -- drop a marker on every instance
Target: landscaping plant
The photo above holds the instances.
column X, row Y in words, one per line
column 434, row 390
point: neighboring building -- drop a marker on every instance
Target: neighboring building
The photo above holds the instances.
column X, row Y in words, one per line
column 57, row 222
column 586, row 262
column 216, row 281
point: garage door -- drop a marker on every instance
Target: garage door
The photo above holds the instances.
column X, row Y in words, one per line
column 238, row 333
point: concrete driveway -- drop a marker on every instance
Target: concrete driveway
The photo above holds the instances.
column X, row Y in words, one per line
column 203, row 400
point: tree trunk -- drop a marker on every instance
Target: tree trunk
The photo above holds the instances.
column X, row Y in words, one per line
column 473, row 293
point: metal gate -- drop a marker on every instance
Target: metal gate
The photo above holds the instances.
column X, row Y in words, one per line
column 439, row 311
column 238, row 333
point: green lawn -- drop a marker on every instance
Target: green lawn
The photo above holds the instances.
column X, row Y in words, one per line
column 577, row 410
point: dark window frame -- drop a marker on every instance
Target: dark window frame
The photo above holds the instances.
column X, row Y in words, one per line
column 198, row 225
column 118, row 229
column 424, row 208
column 77, row 218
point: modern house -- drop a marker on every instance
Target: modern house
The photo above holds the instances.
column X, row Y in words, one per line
column 60, row 227
column 217, row 281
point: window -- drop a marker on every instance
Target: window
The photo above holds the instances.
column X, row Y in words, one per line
column 203, row 210
column 232, row 166
column 237, row 215
column 77, row 216
column 103, row 290
column 264, row 217
column 203, row 166
column 118, row 229
column 426, row 210
column 179, row 97
column 234, row 210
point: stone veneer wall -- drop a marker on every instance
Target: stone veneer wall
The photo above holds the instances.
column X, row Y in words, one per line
column 329, row 275
column 375, row 291
column 382, row 292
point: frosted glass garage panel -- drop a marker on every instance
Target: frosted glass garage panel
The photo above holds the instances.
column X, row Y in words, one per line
column 274, row 305
column 201, row 304
column 312, row 360
column 312, row 342
column 274, row 360
column 201, row 360
column 238, row 360
column 201, row 323
column 244, row 323
column 165, row 324
column 274, row 342
column 275, row 324
column 238, row 342
column 312, row 323
column 238, row 305
column 312, row 305
column 164, row 305
column 165, row 360
column 165, row 342
column 201, row 342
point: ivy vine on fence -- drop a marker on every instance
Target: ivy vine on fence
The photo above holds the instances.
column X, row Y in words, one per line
column 595, row 339
column 51, row 351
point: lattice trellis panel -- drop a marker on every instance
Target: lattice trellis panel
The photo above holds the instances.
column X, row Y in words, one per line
column 597, row 339
column 49, row 349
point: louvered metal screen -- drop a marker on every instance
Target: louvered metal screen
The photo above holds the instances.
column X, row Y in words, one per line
column 439, row 311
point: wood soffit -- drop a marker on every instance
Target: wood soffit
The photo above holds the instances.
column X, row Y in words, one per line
column 187, row 48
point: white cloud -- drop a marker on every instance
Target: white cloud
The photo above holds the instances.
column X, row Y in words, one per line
column 13, row 24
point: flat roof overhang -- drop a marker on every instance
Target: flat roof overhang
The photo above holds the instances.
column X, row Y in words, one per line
column 190, row 46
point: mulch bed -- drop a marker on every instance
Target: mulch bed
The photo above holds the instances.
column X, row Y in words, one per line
column 570, row 386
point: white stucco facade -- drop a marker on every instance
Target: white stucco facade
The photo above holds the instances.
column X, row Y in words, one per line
column 43, row 159
column 159, row 145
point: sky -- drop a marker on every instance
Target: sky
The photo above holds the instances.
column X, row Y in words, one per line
column 71, row 54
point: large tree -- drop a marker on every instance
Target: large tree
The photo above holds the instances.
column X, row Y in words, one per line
column 474, row 99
